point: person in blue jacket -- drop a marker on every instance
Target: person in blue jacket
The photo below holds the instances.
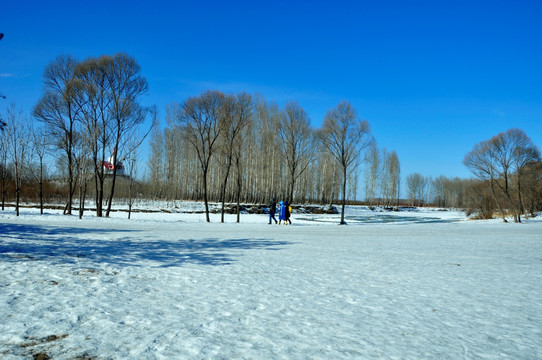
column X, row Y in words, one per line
column 282, row 212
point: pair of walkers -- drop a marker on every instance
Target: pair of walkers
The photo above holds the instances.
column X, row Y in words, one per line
column 284, row 212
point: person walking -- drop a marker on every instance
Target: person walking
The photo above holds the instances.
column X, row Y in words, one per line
column 272, row 211
column 282, row 212
column 287, row 210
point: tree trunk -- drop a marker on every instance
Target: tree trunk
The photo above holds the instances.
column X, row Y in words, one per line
column 344, row 198
column 18, row 192
column 82, row 193
column 110, row 200
column 239, row 184
column 100, row 197
column 521, row 209
column 205, row 196
column 3, row 191
column 70, row 195
column 41, row 187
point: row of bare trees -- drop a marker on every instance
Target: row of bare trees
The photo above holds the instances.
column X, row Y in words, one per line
column 15, row 146
column 233, row 148
column 441, row 191
column 215, row 146
column 23, row 150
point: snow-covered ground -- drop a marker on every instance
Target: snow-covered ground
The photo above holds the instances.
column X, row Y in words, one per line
column 408, row 285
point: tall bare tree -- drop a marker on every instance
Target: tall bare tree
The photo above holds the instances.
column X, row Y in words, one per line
column 236, row 115
column 58, row 111
column 500, row 159
column 201, row 123
column 95, row 102
column 513, row 150
column 127, row 86
column 481, row 162
column 345, row 136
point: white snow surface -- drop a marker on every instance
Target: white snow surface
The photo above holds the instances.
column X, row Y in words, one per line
column 429, row 285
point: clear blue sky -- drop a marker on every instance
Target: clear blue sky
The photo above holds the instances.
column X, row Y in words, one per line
column 433, row 78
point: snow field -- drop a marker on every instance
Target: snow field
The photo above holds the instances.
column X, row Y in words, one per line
column 155, row 288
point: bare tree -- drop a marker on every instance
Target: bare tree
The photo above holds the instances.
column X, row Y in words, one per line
column 18, row 133
column 200, row 121
column 59, row 112
column 345, row 136
column 481, row 162
column 236, row 115
column 500, row 159
column 513, row 150
column 127, row 86
column 95, row 102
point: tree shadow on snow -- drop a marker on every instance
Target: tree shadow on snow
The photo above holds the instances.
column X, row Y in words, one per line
column 20, row 242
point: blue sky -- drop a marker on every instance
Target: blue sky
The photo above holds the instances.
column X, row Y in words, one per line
column 432, row 78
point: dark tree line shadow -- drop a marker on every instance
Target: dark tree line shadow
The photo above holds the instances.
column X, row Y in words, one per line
column 134, row 248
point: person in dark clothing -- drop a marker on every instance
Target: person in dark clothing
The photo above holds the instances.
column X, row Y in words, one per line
column 287, row 215
column 272, row 210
